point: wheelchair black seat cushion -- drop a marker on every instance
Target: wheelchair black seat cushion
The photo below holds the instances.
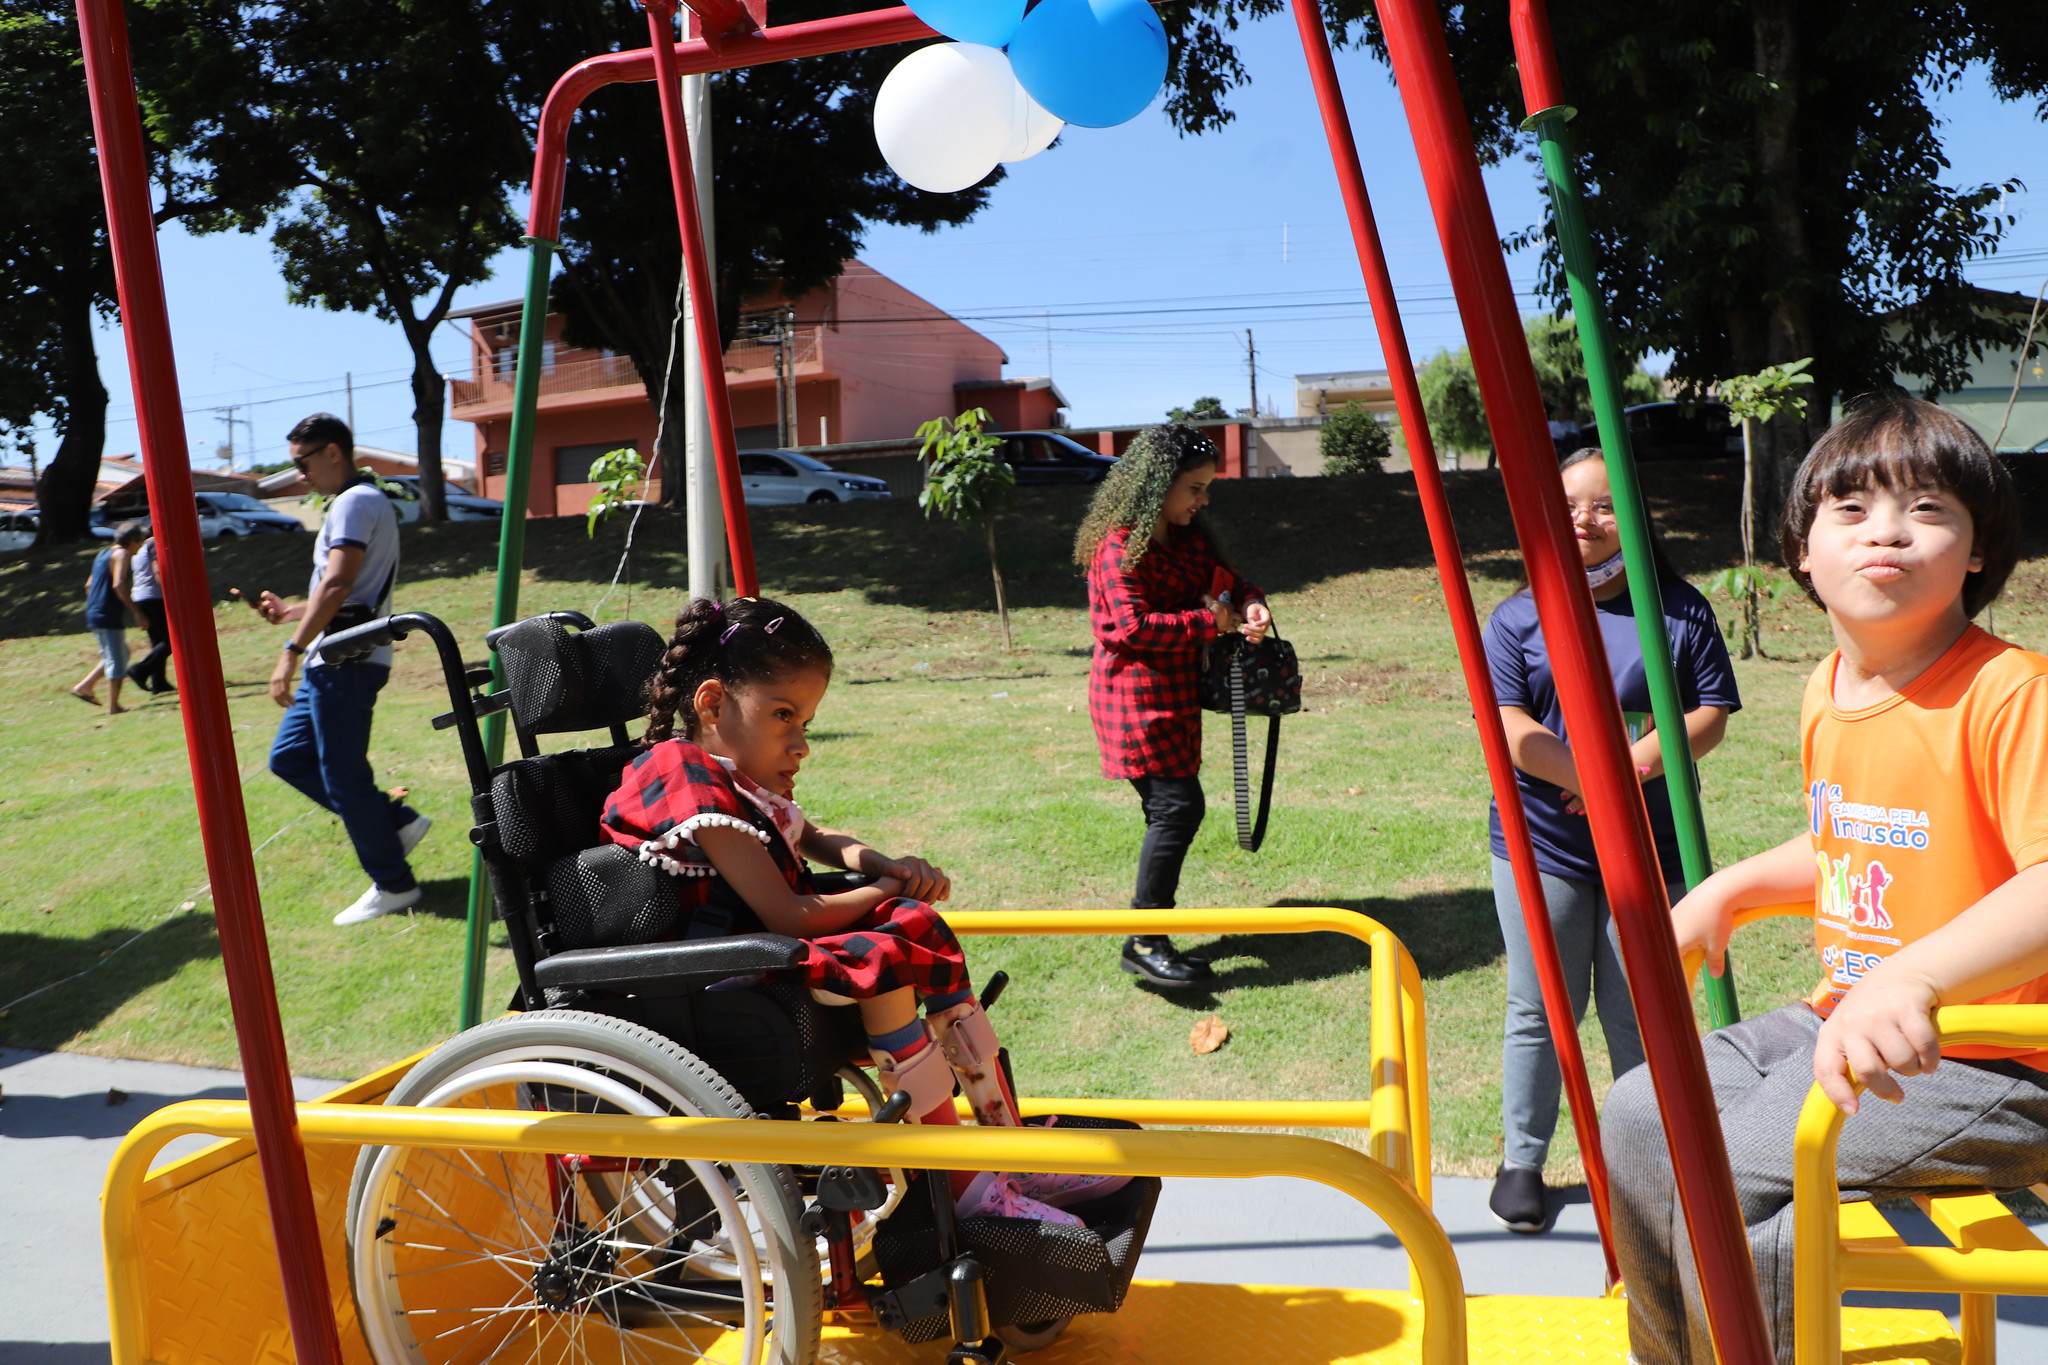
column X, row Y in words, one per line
column 563, row 680
column 548, row 807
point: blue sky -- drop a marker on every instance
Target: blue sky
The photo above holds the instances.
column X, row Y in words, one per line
column 1126, row 262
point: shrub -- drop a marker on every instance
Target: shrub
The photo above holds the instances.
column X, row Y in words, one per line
column 1354, row 442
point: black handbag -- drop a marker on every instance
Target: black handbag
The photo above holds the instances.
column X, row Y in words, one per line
column 1244, row 679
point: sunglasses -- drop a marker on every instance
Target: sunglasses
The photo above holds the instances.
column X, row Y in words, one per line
column 299, row 461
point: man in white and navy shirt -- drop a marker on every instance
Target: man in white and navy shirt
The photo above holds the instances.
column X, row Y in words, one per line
column 323, row 746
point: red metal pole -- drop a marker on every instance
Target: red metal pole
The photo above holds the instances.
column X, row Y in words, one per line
column 1535, row 56
column 1614, row 800
column 1450, row 563
column 845, row 33
column 739, row 537
column 209, row 734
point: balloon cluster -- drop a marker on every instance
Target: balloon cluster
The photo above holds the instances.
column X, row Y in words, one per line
column 1010, row 80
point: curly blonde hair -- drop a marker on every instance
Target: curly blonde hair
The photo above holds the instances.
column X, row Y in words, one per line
column 1134, row 493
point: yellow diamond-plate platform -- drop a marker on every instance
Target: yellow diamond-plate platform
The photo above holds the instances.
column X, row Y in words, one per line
column 1279, row 1326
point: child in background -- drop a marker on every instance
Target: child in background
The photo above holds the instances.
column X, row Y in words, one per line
column 741, row 683
column 1544, row 770
column 1925, row 747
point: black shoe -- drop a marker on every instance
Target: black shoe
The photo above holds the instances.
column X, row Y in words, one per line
column 1517, row 1201
column 1154, row 959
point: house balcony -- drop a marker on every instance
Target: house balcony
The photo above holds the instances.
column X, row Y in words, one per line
column 568, row 383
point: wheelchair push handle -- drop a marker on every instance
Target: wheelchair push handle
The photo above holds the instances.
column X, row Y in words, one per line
column 894, row 1108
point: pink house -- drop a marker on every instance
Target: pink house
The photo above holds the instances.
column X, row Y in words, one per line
column 862, row 359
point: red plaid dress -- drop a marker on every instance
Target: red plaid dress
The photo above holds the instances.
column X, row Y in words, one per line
column 1151, row 631
column 676, row 788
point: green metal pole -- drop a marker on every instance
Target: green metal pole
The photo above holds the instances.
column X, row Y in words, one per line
column 533, row 318
column 1603, row 374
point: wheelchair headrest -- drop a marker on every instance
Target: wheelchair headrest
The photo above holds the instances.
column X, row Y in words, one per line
column 563, row 680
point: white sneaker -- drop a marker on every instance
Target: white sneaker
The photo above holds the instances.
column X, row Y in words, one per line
column 373, row 903
column 409, row 836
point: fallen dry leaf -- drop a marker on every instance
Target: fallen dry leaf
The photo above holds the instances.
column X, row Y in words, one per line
column 1208, row 1035
column 1354, row 791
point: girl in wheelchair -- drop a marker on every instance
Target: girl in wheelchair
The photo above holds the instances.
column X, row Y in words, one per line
column 710, row 802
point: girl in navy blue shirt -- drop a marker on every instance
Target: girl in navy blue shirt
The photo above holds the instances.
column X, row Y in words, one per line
column 1579, row 917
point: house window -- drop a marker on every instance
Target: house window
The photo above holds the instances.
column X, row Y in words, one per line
column 572, row 463
column 547, row 356
column 505, row 361
column 494, row 462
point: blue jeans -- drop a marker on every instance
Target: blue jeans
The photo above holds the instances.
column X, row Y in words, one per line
column 113, row 643
column 323, row 749
column 1590, row 954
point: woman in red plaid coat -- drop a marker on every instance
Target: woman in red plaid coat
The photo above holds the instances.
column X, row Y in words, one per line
column 1158, row 593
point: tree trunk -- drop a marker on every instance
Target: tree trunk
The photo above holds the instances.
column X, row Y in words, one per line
column 1752, row 631
column 1787, row 324
column 995, row 567
column 672, row 442
column 64, row 490
column 429, row 404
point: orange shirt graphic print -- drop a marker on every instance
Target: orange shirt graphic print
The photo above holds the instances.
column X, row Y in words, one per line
column 1920, row 805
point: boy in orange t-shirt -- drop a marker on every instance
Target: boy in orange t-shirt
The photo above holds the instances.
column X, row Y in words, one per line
column 1925, row 747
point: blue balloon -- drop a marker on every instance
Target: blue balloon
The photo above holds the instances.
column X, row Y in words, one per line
column 1094, row 63
column 991, row 23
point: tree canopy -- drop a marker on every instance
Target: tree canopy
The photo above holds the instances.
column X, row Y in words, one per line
column 392, row 150
column 56, row 271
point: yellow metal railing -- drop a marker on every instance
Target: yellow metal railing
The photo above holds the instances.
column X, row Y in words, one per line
column 1437, row 1280
column 1396, row 1117
column 1835, row 1250
column 1800, row 909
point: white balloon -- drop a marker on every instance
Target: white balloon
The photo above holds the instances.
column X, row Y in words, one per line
column 947, row 114
column 1036, row 127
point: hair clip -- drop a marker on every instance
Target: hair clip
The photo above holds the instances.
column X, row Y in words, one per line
column 769, row 629
column 730, row 631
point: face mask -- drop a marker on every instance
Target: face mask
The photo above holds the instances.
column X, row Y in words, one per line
column 1606, row 571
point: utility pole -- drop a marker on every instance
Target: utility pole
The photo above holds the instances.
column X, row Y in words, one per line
column 1251, row 365
column 789, row 339
column 779, row 334
column 348, row 381
column 702, row 515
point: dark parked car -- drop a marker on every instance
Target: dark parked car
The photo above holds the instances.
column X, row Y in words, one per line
column 461, row 506
column 1682, row 431
column 1042, row 457
column 251, row 513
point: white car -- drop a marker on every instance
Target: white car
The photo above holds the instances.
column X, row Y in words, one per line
column 17, row 530
column 776, row 478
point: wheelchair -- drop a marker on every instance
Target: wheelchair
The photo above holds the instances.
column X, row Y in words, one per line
column 628, row 1004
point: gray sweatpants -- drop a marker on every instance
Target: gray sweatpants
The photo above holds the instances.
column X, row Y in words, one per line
column 1591, row 957
column 1970, row 1124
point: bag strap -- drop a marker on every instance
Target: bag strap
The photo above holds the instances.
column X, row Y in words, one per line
column 1239, row 773
column 1251, row 831
column 1266, row 783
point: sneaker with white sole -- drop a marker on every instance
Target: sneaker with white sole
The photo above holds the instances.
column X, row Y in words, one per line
column 374, row 903
column 409, row 835
column 995, row 1195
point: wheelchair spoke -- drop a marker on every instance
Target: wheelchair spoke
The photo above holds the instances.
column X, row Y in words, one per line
column 503, row 1248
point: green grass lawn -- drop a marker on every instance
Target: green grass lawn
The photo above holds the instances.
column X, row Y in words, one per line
column 933, row 740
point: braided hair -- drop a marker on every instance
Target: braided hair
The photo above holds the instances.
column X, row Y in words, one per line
column 1134, row 492
column 750, row 640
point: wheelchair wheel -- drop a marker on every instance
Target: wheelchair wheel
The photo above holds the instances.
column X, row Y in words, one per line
column 459, row 1255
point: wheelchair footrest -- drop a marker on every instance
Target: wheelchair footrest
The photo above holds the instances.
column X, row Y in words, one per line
column 1036, row 1271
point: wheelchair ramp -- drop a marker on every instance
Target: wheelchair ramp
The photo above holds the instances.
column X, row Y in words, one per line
column 1275, row 1325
